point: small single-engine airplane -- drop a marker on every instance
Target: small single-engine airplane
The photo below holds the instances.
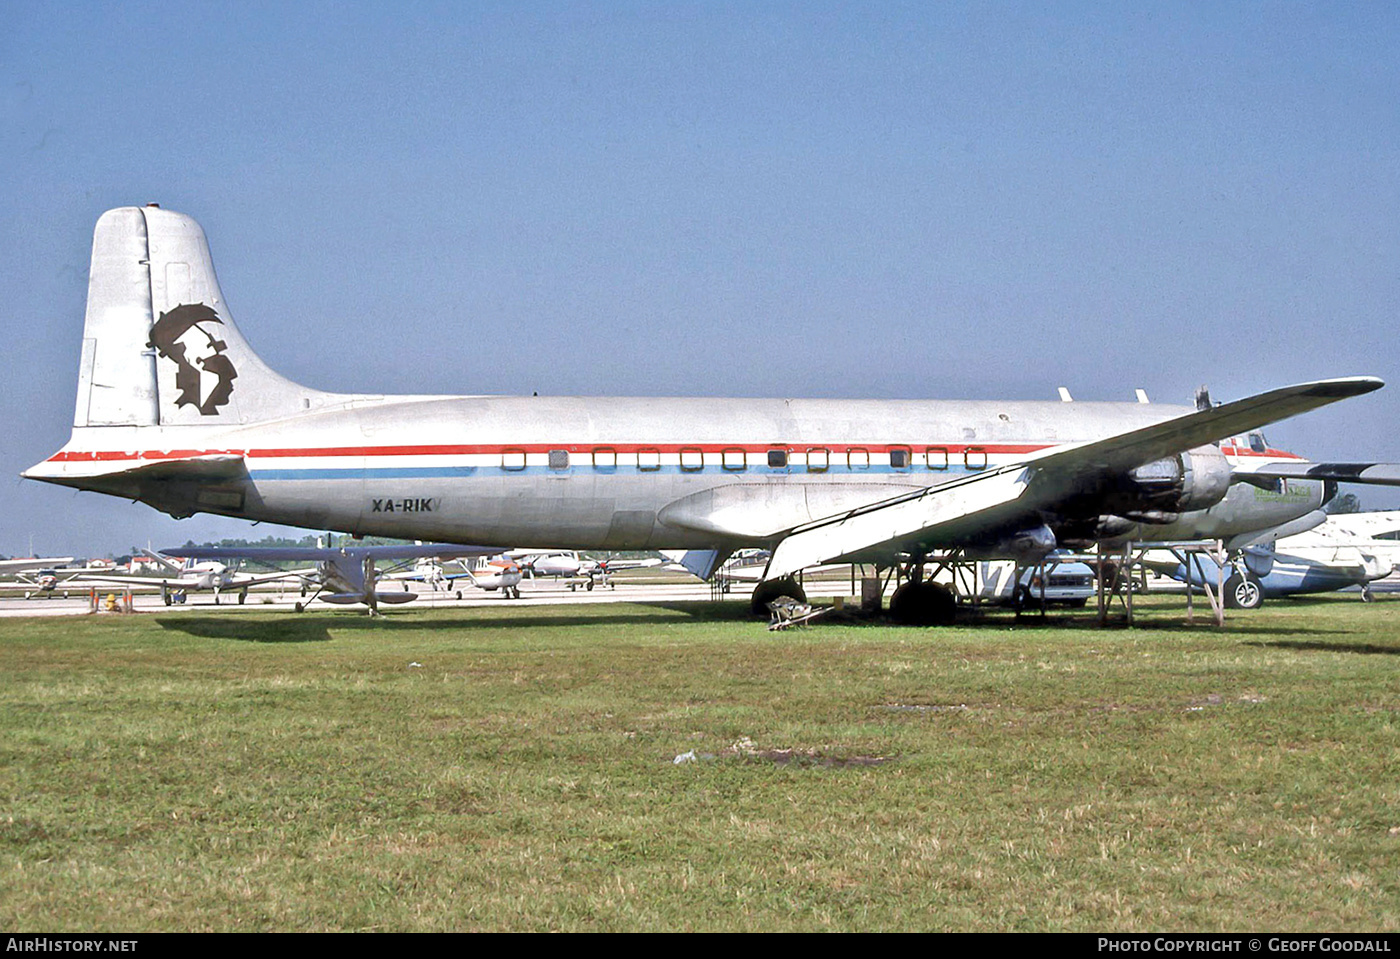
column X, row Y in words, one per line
column 40, row 577
column 501, row 573
column 428, row 571
column 577, row 569
column 345, row 575
column 176, row 410
column 494, row 573
column 1319, row 553
column 176, row 580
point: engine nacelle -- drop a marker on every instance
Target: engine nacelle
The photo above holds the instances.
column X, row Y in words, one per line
column 1196, row 479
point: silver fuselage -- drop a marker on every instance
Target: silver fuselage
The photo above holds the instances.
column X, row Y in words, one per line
column 614, row 473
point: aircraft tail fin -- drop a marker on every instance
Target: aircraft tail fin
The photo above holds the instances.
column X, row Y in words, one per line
column 160, row 347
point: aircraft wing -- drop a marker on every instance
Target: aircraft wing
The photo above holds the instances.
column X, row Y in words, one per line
column 1375, row 474
column 136, row 579
column 983, row 507
column 8, row 566
column 1127, row 450
column 244, row 580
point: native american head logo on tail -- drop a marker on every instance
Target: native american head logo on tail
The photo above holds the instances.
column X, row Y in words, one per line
column 204, row 374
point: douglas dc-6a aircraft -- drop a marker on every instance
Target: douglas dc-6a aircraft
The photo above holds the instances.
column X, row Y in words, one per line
column 176, row 410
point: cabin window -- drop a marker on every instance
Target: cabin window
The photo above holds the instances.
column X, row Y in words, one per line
column 858, row 459
column 648, row 459
column 777, row 459
column 936, row 457
column 605, row 457
column 733, row 459
column 692, row 459
column 818, row 459
column 975, row 458
column 899, row 457
column 512, row 459
column 558, row 459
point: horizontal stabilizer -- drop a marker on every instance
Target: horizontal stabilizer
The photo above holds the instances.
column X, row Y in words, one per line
column 72, row 468
column 1374, row 474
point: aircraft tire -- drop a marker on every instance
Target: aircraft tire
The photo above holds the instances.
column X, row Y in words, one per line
column 1022, row 599
column 772, row 589
column 298, row 607
column 590, row 586
column 242, row 597
column 1243, row 592
column 923, row 604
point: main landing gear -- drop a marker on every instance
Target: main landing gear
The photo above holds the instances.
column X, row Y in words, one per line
column 774, row 589
column 921, row 603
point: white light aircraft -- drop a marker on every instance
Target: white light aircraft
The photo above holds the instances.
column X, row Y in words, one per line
column 485, row 573
column 176, row 410
column 345, row 575
column 41, row 576
column 178, row 579
column 580, row 570
column 499, row 573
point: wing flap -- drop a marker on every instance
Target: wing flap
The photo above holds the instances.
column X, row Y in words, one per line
column 947, row 511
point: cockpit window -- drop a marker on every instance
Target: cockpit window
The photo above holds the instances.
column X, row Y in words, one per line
column 1256, row 442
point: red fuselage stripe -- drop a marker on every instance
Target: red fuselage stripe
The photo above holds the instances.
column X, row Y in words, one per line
column 74, row 456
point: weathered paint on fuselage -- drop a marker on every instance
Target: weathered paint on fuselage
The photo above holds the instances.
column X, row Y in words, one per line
column 616, row 473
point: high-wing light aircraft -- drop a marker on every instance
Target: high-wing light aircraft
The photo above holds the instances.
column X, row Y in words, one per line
column 579, row 570
column 345, row 575
column 176, row 410
column 501, row 573
column 1317, row 554
column 177, row 579
column 40, row 576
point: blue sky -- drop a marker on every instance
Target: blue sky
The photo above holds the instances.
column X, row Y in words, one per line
column 752, row 199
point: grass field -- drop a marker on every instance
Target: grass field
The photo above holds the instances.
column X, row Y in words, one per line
column 514, row 769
